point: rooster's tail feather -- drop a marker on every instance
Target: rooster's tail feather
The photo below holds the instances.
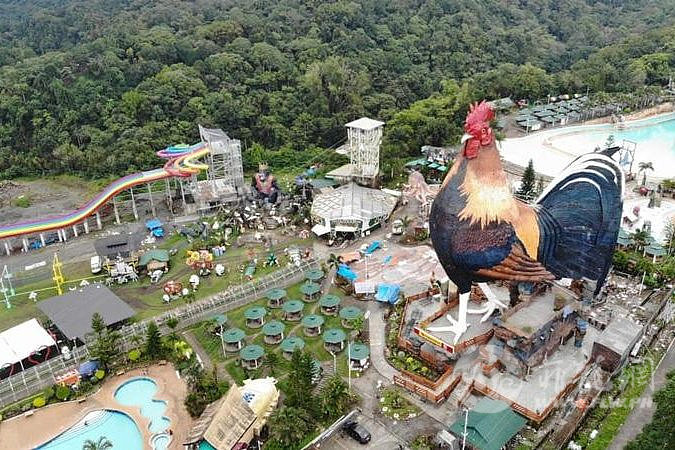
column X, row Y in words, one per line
column 579, row 216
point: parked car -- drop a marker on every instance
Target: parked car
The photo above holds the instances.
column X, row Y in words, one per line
column 357, row 432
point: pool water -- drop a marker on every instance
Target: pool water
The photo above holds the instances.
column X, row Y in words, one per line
column 655, row 139
column 140, row 392
column 117, row 427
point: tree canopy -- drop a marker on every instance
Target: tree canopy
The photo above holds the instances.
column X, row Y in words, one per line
column 95, row 87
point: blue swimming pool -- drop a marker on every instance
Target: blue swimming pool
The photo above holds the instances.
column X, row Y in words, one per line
column 117, row 427
column 655, row 139
column 553, row 149
column 140, row 392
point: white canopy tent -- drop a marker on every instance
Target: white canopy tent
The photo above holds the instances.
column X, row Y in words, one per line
column 21, row 341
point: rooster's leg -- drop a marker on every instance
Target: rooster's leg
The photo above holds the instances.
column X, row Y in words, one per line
column 492, row 303
column 459, row 326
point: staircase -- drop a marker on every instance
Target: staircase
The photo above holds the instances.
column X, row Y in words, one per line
column 460, row 391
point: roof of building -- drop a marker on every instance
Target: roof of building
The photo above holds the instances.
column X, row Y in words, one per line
column 255, row 312
column 273, row 328
column 358, row 351
column 490, row 424
column 290, row 344
column 365, row 123
column 276, row 294
column 312, row 321
column 251, row 352
column 123, row 244
column 334, row 336
column 21, row 341
column 329, row 300
column 309, row 288
column 224, row 422
column 158, row 254
column 293, row 306
column 229, row 421
column 351, row 313
column 314, row 274
column 233, row 335
column 353, row 202
column 620, row 335
column 72, row 311
column 655, row 249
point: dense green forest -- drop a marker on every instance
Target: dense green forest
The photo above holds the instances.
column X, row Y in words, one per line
column 95, row 87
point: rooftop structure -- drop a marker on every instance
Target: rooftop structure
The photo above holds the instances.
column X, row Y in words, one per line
column 490, row 425
column 224, row 182
column 72, row 312
column 237, row 418
column 123, row 245
column 351, row 208
column 364, row 136
column 23, row 340
column 612, row 347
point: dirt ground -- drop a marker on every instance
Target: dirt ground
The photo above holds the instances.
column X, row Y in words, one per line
column 47, row 198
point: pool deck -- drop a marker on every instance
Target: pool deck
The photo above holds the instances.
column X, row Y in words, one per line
column 48, row 422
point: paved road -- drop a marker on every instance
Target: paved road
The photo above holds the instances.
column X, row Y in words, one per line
column 644, row 410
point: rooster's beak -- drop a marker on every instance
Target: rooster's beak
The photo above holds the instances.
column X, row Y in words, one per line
column 466, row 137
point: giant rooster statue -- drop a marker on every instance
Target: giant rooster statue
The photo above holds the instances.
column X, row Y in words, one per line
column 481, row 232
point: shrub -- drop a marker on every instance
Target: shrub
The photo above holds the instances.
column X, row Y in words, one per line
column 22, row 201
column 48, row 393
column 134, row 355
column 62, row 392
column 39, row 402
column 100, row 373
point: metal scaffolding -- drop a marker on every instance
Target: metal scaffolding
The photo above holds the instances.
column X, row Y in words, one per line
column 364, row 137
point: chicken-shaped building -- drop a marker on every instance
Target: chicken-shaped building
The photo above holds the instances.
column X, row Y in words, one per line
column 481, row 232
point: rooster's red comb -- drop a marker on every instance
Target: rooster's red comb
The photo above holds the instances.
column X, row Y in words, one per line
column 480, row 115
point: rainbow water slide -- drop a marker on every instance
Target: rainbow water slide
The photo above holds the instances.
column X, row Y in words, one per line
column 181, row 163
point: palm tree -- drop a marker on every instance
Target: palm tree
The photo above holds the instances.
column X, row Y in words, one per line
column 334, row 261
column 102, row 444
column 405, row 220
column 172, row 323
column 335, row 397
column 640, row 238
column 289, row 425
column 644, row 167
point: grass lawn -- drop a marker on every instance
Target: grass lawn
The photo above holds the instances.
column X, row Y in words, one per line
column 235, row 319
column 609, row 421
column 23, row 308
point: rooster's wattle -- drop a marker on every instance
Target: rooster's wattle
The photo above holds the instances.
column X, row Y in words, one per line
column 481, row 232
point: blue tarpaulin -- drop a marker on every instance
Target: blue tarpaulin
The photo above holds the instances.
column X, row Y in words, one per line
column 372, row 247
column 152, row 224
column 88, row 368
column 345, row 272
column 387, row 259
column 388, row 293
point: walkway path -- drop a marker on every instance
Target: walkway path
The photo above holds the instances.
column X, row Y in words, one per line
column 443, row 412
column 205, row 358
column 644, row 410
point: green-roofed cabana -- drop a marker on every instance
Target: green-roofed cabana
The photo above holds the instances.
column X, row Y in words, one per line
column 656, row 251
column 255, row 316
column 334, row 340
column 329, row 303
column 433, row 165
column 310, row 291
column 315, row 275
column 274, row 332
column 293, row 310
column 349, row 315
column 490, row 425
column 416, row 163
column 251, row 356
column 276, row 297
column 442, row 168
column 624, row 239
column 233, row 339
column 291, row 344
column 359, row 356
column 156, row 259
column 312, row 324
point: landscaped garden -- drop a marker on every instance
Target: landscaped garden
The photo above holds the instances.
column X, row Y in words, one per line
column 273, row 361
